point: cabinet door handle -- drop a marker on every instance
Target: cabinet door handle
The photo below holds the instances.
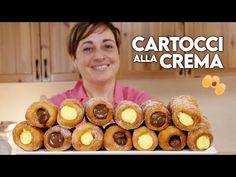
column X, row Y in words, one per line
column 45, row 68
column 37, row 68
column 189, row 71
column 181, row 72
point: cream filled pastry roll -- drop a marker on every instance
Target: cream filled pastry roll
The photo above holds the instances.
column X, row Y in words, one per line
column 27, row 137
column 201, row 138
column 87, row 137
column 156, row 115
column 42, row 114
column 117, row 139
column 57, row 138
column 70, row 114
column 99, row 111
column 185, row 112
column 128, row 115
column 144, row 139
column 172, row 139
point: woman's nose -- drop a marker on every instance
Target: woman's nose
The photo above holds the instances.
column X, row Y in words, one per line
column 99, row 55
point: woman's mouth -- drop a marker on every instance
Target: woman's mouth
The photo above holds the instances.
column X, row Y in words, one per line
column 100, row 67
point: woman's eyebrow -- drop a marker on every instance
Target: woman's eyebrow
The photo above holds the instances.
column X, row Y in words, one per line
column 86, row 42
column 105, row 40
column 91, row 42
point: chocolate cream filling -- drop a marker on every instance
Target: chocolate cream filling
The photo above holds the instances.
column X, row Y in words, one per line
column 175, row 141
column 120, row 138
column 100, row 111
column 43, row 115
column 158, row 119
column 56, row 139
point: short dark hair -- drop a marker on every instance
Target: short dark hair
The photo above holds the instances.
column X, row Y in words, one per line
column 83, row 29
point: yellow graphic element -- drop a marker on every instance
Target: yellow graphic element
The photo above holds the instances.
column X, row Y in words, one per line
column 206, row 81
column 220, row 89
column 214, row 82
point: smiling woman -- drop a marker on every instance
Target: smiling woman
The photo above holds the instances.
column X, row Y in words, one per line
column 94, row 48
column 97, row 56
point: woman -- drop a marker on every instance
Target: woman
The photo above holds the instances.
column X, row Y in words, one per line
column 94, row 47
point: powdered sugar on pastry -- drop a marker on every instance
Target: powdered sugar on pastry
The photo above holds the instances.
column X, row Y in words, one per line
column 63, row 131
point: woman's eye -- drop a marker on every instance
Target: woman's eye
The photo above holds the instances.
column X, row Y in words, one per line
column 108, row 46
column 88, row 49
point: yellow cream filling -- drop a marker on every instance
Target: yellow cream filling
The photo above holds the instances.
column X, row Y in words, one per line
column 203, row 142
column 26, row 137
column 87, row 138
column 68, row 113
column 129, row 115
column 185, row 119
column 145, row 141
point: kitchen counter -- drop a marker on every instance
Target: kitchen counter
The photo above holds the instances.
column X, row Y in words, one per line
column 220, row 110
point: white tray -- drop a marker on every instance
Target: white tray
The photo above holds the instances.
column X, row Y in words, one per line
column 209, row 151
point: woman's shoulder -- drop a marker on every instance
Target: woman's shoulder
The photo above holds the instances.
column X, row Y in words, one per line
column 73, row 93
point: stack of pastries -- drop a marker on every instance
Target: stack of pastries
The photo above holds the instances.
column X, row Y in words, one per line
column 126, row 126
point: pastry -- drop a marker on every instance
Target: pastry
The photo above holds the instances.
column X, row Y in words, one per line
column 70, row 114
column 117, row 139
column 144, row 139
column 57, row 138
column 172, row 139
column 27, row 137
column 201, row 137
column 156, row 115
column 185, row 112
column 145, row 103
column 128, row 115
column 99, row 111
column 42, row 114
column 87, row 137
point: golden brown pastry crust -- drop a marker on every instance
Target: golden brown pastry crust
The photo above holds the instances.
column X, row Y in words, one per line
column 204, row 122
column 65, row 133
column 202, row 129
column 143, row 131
column 145, row 103
column 122, row 106
column 90, row 108
column 33, row 119
column 186, row 104
column 165, row 136
column 156, row 115
column 96, row 132
column 37, row 136
column 68, row 124
column 111, row 145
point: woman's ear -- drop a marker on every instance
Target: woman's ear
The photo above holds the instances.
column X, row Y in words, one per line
column 73, row 59
column 75, row 64
column 76, row 69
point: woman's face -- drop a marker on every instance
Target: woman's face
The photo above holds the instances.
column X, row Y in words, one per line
column 97, row 56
